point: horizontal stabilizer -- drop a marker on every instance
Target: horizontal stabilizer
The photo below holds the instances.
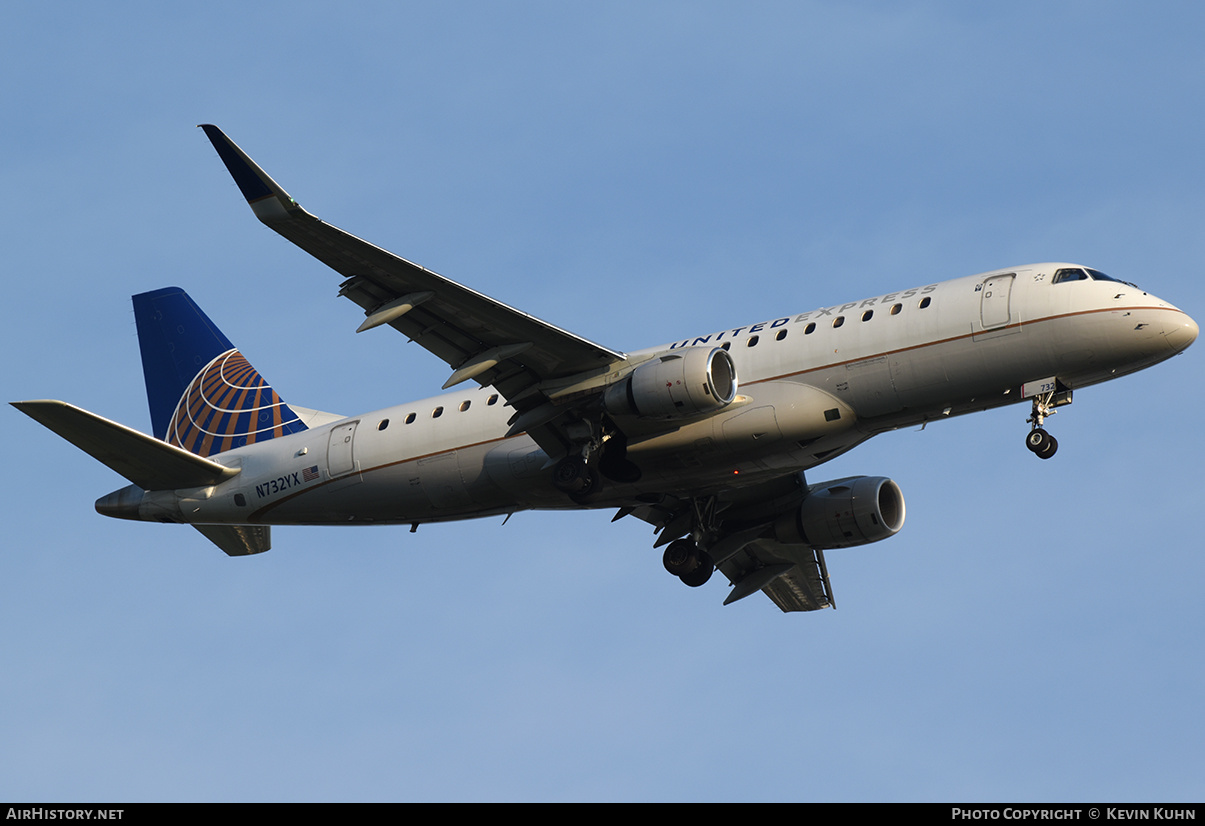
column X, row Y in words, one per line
column 238, row 540
column 144, row 460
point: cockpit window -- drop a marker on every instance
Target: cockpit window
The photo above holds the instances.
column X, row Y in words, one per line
column 1086, row 274
column 1070, row 274
column 1097, row 275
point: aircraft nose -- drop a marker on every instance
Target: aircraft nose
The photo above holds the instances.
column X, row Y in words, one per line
column 1181, row 333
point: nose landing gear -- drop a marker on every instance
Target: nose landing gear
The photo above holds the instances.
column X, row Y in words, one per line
column 1047, row 395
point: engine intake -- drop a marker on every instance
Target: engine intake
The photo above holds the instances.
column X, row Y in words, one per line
column 844, row 513
column 676, row 385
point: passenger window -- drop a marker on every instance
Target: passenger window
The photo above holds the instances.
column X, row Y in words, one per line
column 838, row 321
column 925, row 302
column 811, row 328
column 410, row 418
column 384, row 424
column 752, row 342
column 492, row 399
column 727, row 345
column 895, row 308
column 464, row 406
column 781, row 335
column 869, row 314
column 437, row 412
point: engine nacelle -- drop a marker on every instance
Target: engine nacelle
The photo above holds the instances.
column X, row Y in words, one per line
column 844, row 513
column 676, row 385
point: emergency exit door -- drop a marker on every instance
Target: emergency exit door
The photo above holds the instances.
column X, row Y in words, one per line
column 994, row 301
column 340, row 455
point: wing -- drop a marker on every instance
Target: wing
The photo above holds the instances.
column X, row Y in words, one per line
column 526, row 359
column 794, row 577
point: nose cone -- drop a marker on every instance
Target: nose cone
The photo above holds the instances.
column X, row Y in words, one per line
column 1181, row 332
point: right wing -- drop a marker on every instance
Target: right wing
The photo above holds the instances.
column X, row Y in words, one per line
column 526, row 359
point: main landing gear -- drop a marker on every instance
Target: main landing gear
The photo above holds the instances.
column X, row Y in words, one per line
column 688, row 562
column 1038, row 441
column 573, row 476
column 580, row 474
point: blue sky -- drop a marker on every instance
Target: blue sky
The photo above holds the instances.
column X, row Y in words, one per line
column 636, row 173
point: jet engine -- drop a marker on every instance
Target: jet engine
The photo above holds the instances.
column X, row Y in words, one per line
column 676, row 385
column 844, row 513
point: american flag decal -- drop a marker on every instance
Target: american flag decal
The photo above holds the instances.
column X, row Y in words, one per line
column 310, row 474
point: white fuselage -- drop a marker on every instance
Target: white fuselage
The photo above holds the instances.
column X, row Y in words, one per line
column 812, row 385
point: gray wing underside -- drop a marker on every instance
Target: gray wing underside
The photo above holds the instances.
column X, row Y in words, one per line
column 802, row 586
column 794, row 577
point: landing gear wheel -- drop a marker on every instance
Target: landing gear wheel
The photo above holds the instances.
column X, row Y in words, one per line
column 593, row 485
column 1049, row 450
column 570, row 475
column 1041, row 443
column 688, row 562
column 699, row 575
column 681, row 557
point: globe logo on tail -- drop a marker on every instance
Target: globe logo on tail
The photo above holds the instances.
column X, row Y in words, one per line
column 228, row 405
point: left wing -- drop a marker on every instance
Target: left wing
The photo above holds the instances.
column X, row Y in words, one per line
column 526, row 359
column 794, row 577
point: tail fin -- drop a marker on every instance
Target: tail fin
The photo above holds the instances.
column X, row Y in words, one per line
column 204, row 396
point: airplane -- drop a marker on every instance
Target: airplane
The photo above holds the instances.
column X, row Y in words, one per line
column 708, row 439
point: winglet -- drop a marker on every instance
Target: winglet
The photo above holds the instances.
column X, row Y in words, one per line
column 267, row 198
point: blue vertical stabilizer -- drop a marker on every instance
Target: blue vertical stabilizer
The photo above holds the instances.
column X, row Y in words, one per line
column 204, row 396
